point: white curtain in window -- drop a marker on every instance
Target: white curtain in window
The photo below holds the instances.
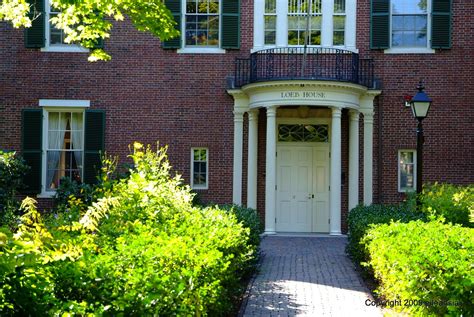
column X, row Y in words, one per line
column 57, row 123
column 76, row 138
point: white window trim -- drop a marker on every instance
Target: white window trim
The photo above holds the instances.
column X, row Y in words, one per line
column 64, row 103
column 196, row 49
column 326, row 26
column 199, row 187
column 399, row 175
column 52, row 105
column 413, row 50
column 69, row 48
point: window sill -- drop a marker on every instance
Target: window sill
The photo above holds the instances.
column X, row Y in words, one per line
column 410, row 50
column 65, row 48
column 200, row 188
column 201, row 50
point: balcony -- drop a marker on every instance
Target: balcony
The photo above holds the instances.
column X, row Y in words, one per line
column 298, row 63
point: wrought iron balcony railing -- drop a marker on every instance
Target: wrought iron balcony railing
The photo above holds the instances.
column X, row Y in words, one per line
column 312, row 63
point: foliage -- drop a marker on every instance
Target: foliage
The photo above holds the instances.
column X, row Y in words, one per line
column 428, row 266
column 249, row 219
column 87, row 21
column 140, row 248
column 453, row 203
column 362, row 217
column 12, row 171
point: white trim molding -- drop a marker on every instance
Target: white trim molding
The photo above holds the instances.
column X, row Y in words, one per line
column 64, row 103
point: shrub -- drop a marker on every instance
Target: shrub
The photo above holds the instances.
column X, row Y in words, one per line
column 249, row 218
column 12, row 171
column 454, row 203
column 361, row 217
column 428, row 266
column 141, row 249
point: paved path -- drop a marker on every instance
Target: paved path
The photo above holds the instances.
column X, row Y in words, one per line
column 307, row 276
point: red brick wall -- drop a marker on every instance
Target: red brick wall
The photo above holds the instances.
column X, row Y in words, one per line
column 153, row 94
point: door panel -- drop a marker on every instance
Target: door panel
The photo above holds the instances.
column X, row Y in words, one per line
column 302, row 188
column 321, row 189
column 294, row 185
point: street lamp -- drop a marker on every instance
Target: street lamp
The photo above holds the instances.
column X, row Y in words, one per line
column 420, row 105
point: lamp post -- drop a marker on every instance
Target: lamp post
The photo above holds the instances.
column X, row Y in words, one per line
column 420, row 105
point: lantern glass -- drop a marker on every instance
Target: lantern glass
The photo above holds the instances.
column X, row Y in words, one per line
column 420, row 108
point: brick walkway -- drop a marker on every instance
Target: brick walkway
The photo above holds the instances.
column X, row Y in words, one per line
column 307, row 276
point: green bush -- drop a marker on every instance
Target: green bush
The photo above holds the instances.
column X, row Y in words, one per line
column 249, row 219
column 141, row 249
column 453, row 203
column 427, row 266
column 361, row 218
column 12, row 171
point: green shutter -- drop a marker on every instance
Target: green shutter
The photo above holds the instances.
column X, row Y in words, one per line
column 380, row 24
column 175, row 7
column 230, row 37
column 94, row 131
column 31, row 140
column 35, row 35
column 441, row 24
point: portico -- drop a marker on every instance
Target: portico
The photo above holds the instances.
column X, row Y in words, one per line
column 301, row 162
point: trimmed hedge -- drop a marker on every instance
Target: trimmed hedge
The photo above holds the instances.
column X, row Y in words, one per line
column 140, row 249
column 362, row 217
column 452, row 202
column 429, row 267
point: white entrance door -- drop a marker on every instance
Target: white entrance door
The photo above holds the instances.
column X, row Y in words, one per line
column 302, row 188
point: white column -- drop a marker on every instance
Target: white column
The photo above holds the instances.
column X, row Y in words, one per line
column 258, row 22
column 335, row 178
column 238, row 141
column 368, row 156
column 353, row 159
column 270, row 172
column 252, row 160
column 350, row 27
column 327, row 23
column 282, row 23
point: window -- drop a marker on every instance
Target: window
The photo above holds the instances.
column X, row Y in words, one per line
column 61, row 138
column 304, row 15
column 202, row 23
column 207, row 26
column 406, row 170
column 270, row 22
column 56, row 36
column 339, row 23
column 410, row 26
column 199, row 168
column 43, row 34
column 63, row 147
column 303, row 133
column 409, row 23
column 298, row 22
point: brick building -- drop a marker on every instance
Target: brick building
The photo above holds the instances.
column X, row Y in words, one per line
column 293, row 107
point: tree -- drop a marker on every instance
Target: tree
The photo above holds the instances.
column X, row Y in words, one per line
column 86, row 22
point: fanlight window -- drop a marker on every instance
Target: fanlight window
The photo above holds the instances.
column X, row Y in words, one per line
column 303, row 133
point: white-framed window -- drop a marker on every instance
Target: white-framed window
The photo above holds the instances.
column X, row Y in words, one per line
column 406, row 170
column 270, row 18
column 202, row 23
column 63, row 142
column 199, row 168
column 339, row 23
column 55, row 38
column 410, row 25
column 282, row 23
